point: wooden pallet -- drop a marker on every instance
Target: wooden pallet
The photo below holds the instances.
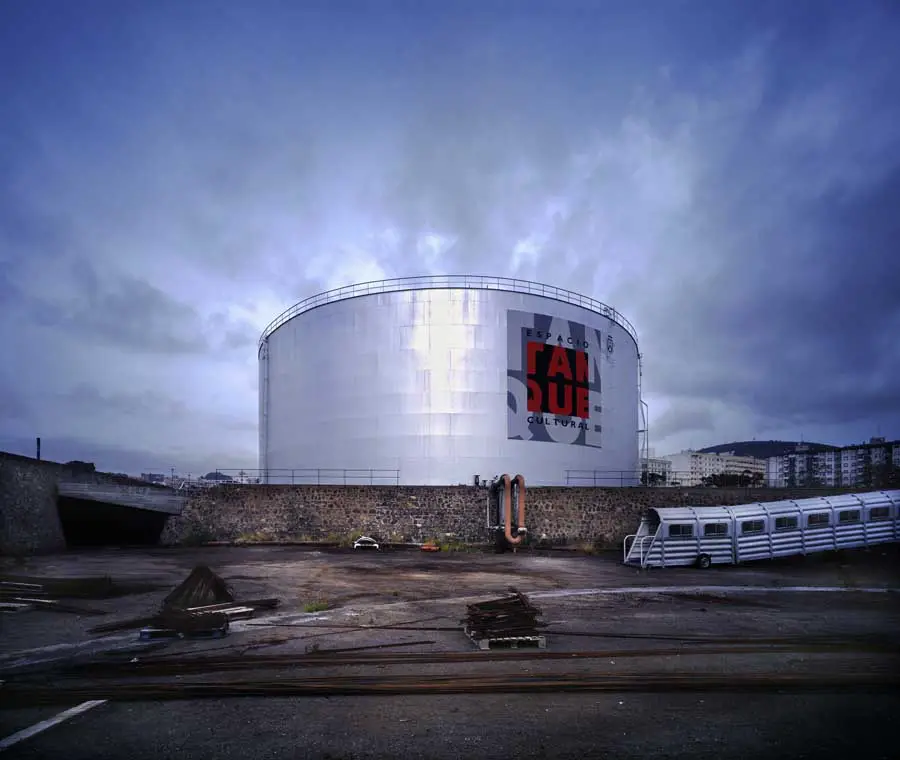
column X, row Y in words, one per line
column 508, row 642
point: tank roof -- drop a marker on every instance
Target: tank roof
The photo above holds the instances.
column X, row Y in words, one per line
column 434, row 282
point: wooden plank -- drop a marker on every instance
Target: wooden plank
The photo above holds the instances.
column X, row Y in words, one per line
column 14, row 607
column 57, row 606
column 238, row 613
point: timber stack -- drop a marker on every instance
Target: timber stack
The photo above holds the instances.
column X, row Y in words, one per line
column 511, row 619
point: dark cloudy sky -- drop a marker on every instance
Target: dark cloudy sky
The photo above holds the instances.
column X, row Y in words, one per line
column 175, row 173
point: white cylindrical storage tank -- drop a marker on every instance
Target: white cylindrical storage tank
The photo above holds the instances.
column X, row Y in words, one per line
column 436, row 380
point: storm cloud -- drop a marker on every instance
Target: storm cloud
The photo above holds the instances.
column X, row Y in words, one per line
column 173, row 175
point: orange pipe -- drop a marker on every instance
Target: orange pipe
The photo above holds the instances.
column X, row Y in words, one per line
column 507, row 517
column 507, row 506
column 520, row 479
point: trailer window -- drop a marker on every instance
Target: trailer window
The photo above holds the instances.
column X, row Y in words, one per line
column 849, row 516
column 786, row 523
column 715, row 529
column 681, row 531
column 818, row 519
column 880, row 513
column 752, row 526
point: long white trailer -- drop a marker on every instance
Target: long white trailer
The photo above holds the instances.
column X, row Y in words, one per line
column 704, row 536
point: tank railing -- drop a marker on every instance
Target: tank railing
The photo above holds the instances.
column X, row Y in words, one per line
column 470, row 282
column 382, row 476
column 282, row 476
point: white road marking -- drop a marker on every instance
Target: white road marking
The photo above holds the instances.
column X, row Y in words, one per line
column 38, row 728
column 707, row 590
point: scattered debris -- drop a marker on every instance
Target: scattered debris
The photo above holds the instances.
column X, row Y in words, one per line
column 57, row 606
column 13, row 587
column 314, row 648
column 201, row 606
column 364, row 542
column 17, row 596
column 15, row 606
column 190, row 663
column 716, row 598
column 201, row 588
column 257, row 604
column 123, row 625
column 36, row 694
column 102, row 587
column 186, row 610
column 510, row 622
column 226, row 607
column 178, row 624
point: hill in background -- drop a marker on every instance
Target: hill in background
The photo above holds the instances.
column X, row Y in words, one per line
column 766, row 449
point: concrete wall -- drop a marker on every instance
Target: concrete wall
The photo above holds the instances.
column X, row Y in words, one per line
column 29, row 521
column 29, row 492
column 413, row 513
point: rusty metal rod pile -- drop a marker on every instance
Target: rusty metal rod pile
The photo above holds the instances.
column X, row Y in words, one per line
column 185, row 665
column 510, row 616
column 884, row 679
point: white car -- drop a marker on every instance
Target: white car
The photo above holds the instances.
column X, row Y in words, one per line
column 364, row 542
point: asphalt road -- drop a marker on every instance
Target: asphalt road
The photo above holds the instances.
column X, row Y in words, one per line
column 544, row 726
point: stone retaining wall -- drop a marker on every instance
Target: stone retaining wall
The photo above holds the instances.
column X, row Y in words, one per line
column 29, row 520
column 29, row 493
column 414, row 513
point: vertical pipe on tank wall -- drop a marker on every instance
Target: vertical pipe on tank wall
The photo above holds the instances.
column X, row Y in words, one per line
column 643, row 445
column 508, row 509
column 264, row 422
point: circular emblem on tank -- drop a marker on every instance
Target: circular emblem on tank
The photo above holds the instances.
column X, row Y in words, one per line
column 610, row 344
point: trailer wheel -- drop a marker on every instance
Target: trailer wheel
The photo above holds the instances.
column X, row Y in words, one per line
column 704, row 561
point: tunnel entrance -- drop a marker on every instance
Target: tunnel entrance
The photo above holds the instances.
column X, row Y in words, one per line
column 88, row 523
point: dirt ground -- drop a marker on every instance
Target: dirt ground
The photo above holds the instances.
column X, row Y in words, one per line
column 390, row 586
column 591, row 604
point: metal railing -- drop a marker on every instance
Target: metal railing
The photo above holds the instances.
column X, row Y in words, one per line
column 627, row 548
column 676, row 479
column 464, row 281
column 297, row 476
column 391, row 477
column 602, row 478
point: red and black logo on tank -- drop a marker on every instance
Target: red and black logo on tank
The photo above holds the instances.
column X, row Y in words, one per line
column 557, row 380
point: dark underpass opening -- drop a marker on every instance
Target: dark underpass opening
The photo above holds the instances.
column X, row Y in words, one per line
column 96, row 523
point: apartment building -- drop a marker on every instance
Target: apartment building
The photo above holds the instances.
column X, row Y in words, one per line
column 861, row 465
column 735, row 465
column 694, row 468
column 656, row 471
